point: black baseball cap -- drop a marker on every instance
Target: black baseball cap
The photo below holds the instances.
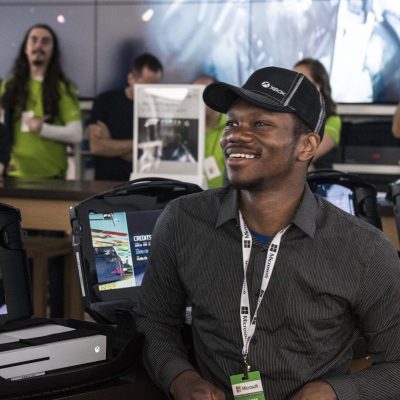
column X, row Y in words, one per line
column 276, row 89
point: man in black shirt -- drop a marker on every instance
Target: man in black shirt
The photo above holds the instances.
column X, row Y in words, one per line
column 110, row 127
column 281, row 282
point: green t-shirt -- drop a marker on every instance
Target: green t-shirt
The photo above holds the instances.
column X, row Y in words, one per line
column 32, row 155
column 213, row 148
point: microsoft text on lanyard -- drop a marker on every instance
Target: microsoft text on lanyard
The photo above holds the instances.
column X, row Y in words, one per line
column 248, row 327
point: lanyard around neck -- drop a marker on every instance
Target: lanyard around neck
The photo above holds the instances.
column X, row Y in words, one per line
column 249, row 326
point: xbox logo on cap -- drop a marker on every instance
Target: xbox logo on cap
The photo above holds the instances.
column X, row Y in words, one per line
column 267, row 85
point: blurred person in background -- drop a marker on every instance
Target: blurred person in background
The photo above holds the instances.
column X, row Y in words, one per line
column 317, row 74
column 396, row 123
column 41, row 116
column 41, row 111
column 3, row 141
column 110, row 128
column 214, row 163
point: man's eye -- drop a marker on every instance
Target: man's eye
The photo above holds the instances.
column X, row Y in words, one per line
column 230, row 124
column 261, row 123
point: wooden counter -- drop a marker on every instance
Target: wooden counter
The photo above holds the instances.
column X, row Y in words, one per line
column 44, row 204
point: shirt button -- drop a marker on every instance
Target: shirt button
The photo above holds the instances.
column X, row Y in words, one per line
column 254, row 340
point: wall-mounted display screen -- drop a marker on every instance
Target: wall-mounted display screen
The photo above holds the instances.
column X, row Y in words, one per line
column 358, row 41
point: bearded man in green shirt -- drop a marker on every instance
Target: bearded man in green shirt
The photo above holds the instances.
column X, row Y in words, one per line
column 41, row 110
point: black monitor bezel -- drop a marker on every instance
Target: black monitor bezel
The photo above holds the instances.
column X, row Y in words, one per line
column 89, row 276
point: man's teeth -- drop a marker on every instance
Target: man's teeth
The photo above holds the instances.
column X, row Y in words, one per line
column 241, row 155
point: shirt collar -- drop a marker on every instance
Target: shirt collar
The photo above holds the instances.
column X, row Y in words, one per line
column 229, row 207
column 305, row 217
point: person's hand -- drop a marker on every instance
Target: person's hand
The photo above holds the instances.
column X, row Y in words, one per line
column 103, row 129
column 189, row 385
column 3, row 170
column 100, row 130
column 35, row 124
column 127, row 156
column 315, row 391
column 11, row 168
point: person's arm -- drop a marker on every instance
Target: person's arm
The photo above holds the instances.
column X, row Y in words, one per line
column 326, row 145
column 190, row 385
column 331, row 138
column 5, row 143
column 70, row 129
column 70, row 133
column 396, row 123
column 377, row 308
column 128, row 156
column 315, row 391
column 102, row 144
column 160, row 317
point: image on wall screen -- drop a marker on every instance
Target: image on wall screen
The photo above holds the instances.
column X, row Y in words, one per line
column 121, row 245
column 341, row 196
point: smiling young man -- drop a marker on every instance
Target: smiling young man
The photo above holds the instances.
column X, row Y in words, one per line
column 281, row 282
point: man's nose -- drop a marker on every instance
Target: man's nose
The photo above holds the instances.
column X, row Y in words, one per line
column 239, row 135
column 40, row 44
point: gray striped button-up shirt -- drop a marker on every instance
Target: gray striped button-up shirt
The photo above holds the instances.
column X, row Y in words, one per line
column 335, row 276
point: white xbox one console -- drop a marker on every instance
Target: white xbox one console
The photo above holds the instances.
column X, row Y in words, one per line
column 18, row 362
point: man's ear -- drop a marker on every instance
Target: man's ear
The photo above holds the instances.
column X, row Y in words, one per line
column 308, row 146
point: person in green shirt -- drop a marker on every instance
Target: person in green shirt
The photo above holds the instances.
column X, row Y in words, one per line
column 396, row 122
column 317, row 74
column 41, row 110
column 41, row 116
column 214, row 163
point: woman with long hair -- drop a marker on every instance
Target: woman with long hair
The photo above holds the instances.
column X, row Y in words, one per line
column 317, row 74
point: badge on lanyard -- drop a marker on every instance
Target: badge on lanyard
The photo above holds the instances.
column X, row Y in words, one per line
column 247, row 389
column 247, row 386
